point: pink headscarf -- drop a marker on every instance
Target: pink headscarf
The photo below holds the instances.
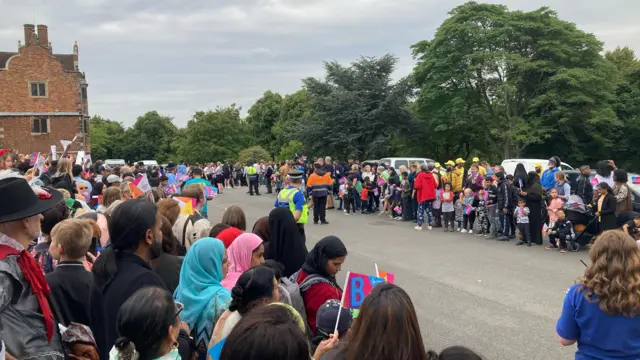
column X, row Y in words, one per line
column 240, row 253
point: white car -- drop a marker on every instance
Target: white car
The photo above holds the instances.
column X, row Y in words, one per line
column 112, row 163
column 529, row 165
column 396, row 162
column 148, row 163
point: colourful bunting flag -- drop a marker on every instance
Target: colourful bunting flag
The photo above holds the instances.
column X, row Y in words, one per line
column 210, row 192
column 388, row 277
column 635, row 180
column 34, row 158
column 170, row 189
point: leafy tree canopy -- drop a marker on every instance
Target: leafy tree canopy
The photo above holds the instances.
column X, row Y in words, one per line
column 253, row 154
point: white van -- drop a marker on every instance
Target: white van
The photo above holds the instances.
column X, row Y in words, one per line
column 529, row 165
column 112, row 163
column 396, row 162
column 148, row 163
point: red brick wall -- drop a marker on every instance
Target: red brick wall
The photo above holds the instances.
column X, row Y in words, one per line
column 63, row 95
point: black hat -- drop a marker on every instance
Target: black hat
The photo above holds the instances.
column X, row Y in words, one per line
column 328, row 315
column 197, row 171
column 19, row 201
column 295, row 174
column 171, row 165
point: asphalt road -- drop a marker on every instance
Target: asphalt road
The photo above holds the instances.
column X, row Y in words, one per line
column 496, row 298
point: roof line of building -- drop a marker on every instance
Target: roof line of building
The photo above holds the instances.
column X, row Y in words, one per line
column 70, row 113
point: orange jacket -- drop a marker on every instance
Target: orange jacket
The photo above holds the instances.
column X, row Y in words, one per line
column 319, row 183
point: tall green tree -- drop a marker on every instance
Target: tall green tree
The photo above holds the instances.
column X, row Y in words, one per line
column 216, row 135
column 295, row 107
column 356, row 109
column 106, row 138
column 253, row 154
column 261, row 118
column 502, row 81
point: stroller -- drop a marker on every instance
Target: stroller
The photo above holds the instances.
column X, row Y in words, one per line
column 584, row 222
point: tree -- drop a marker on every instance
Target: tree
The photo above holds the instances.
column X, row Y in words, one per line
column 262, row 117
column 253, row 154
column 106, row 138
column 355, row 109
column 149, row 138
column 216, row 135
column 502, row 81
column 290, row 150
column 295, row 107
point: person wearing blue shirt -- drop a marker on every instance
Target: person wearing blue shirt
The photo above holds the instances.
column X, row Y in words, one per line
column 602, row 312
column 197, row 179
column 182, row 168
column 548, row 179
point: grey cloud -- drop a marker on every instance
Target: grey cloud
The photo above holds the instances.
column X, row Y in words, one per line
column 179, row 56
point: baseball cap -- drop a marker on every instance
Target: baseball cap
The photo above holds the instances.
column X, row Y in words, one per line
column 113, row 179
column 327, row 316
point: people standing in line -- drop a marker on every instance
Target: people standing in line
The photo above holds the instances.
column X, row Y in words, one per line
column 457, row 176
column 268, row 173
column 414, row 201
column 425, row 192
column 505, row 206
column 246, row 252
column 169, row 263
column 522, row 219
column 286, row 245
column 533, row 193
column 198, row 180
column 317, row 278
column 188, row 228
column 27, row 324
column 561, row 232
column 601, row 313
column 234, row 216
column 491, row 204
column 520, row 176
column 319, row 186
column 605, row 207
column 584, row 187
column 474, row 179
column 123, row 268
column 548, row 180
column 447, row 199
column 604, row 172
column 562, row 186
column 252, row 179
column 200, row 290
column 293, row 198
column 622, row 192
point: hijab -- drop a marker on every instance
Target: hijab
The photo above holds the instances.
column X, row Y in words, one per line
column 533, row 184
column 240, row 254
column 520, row 175
column 286, row 244
column 328, row 248
column 200, row 290
column 261, row 228
column 228, row 236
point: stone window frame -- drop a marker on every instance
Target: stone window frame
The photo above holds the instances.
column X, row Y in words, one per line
column 46, row 88
column 40, row 125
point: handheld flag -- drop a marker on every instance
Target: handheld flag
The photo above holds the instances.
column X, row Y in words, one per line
column 65, row 143
column 34, row 158
column 210, row 192
column 186, row 204
column 142, row 183
column 135, row 191
column 388, row 277
column 635, row 180
column 467, row 209
column 357, row 288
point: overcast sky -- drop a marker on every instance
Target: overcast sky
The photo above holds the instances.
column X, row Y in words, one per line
column 179, row 56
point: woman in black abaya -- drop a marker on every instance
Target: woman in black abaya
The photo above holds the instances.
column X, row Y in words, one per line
column 533, row 195
column 286, row 244
column 520, row 177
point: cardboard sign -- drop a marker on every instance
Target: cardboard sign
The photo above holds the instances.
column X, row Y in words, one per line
column 54, row 155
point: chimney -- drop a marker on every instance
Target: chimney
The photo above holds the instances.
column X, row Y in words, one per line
column 43, row 35
column 28, row 30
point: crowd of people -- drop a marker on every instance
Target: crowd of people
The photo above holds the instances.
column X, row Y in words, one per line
column 134, row 277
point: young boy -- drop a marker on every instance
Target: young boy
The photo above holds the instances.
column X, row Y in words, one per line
column 492, row 199
column 522, row 219
column 70, row 282
column 447, row 198
column 481, row 214
column 562, row 230
column 406, row 197
column 584, row 189
column 349, row 196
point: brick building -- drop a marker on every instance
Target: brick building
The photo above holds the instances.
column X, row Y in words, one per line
column 43, row 96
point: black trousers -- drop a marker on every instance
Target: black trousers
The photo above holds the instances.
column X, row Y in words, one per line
column 301, row 229
column 350, row 204
column 525, row 231
column 253, row 186
column 319, row 208
column 269, row 190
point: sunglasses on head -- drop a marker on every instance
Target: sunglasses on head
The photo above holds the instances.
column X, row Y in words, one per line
column 179, row 308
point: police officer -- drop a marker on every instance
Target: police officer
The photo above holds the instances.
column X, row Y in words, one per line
column 252, row 178
column 293, row 198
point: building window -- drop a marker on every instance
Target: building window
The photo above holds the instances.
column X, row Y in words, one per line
column 40, row 126
column 38, row 89
column 85, row 126
column 84, row 93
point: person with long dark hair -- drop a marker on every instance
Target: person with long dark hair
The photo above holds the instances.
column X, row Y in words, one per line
column 255, row 287
column 168, row 264
column 286, row 244
column 604, row 207
column 533, row 193
column 317, row 278
column 622, row 191
column 604, row 172
column 123, row 267
column 148, row 326
column 602, row 312
column 388, row 309
column 520, row 177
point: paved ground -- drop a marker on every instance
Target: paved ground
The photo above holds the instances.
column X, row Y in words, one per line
column 496, row 298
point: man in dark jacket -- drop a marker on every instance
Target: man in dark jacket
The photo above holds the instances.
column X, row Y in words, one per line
column 505, row 206
column 584, row 189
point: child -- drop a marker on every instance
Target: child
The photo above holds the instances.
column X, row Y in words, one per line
column 406, row 197
column 446, row 199
column 522, row 219
column 492, row 200
column 459, row 210
column 437, row 213
column 481, row 214
column 70, row 282
column 367, row 206
column 562, row 230
column 469, row 203
column 554, row 205
column 632, row 226
column 326, row 320
column 396, row 200
column 349, row 195
column 341, row 191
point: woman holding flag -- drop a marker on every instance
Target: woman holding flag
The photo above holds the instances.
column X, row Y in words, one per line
column 317, row 278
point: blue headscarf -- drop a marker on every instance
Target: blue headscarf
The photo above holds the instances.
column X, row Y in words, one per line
column 199, row 289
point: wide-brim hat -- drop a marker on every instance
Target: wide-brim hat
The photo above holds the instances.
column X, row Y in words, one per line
column 450, row 162
column 459, row 160
column 20, row 202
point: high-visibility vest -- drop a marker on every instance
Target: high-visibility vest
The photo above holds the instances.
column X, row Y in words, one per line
column 251, row 171
column 285, row 196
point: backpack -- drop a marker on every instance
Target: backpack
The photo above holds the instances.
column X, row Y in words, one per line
column 291, row 293
column 182, row 249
